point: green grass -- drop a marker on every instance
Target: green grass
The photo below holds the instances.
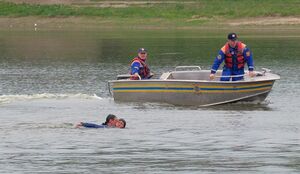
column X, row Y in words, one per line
column 231, row 9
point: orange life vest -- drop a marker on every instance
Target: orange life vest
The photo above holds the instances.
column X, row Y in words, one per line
column 228, row 56
column 144, row 72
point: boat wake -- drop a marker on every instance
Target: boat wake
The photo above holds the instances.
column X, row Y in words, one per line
column 24, row 97
column 244, row 106
column 40, row 125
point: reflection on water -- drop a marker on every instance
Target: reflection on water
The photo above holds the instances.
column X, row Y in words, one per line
column 237, row 106
column 245, row 106
column 82, row 62
column 52, row 80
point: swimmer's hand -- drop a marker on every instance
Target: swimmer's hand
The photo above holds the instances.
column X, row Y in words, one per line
column 78, row 125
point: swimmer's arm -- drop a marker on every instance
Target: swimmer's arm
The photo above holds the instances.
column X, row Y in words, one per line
column 92, row 125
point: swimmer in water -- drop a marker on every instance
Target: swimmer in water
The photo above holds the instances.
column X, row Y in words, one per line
column 111, row 121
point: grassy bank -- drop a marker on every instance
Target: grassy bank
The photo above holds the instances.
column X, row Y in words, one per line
column 150, row 15
column 190, row 10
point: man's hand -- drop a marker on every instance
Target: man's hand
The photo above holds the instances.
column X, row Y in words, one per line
column 212, row 76
column 137, row 76
column 78, row 125
column 251, row 74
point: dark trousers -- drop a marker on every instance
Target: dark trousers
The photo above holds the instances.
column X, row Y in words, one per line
column 230, row 72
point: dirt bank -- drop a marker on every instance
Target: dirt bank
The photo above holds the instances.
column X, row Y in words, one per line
column 266, row 21
column 43, row 1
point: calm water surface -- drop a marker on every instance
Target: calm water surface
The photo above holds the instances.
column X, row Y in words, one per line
column 52, row 80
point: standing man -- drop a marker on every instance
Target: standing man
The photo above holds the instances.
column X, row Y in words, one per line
column 139, row 68
column 235, row 54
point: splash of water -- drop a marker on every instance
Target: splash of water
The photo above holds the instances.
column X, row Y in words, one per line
column 25, row 97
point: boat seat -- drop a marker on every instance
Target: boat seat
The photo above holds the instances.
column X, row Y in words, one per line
column 166, row 76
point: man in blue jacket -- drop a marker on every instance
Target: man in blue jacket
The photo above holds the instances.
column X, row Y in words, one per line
column 235, row 54
column 139, row 68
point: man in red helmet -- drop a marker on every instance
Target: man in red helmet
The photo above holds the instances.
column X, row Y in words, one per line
column 235, row 54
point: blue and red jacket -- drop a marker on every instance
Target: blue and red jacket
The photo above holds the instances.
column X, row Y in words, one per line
column 235, row 58
column 92, row 125
column 139, row 66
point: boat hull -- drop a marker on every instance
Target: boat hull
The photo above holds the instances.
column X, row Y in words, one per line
column 185, row 92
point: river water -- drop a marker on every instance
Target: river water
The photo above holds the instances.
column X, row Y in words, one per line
column 50, row 81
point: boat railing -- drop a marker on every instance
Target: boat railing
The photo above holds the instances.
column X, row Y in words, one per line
column 188, row 67
column 257, row 73
column 242, row 75
column 109, row 88
column 265, row 70
column 121, row 77
column 127, row 76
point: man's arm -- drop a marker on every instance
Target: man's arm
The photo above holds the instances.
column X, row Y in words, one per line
column 218, row 60
column 92, row 125
column 248, row 58
column 135, row 67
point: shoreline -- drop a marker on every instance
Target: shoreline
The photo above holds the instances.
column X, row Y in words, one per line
column 115, row 28
column 156, row 15
column 100, row 23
